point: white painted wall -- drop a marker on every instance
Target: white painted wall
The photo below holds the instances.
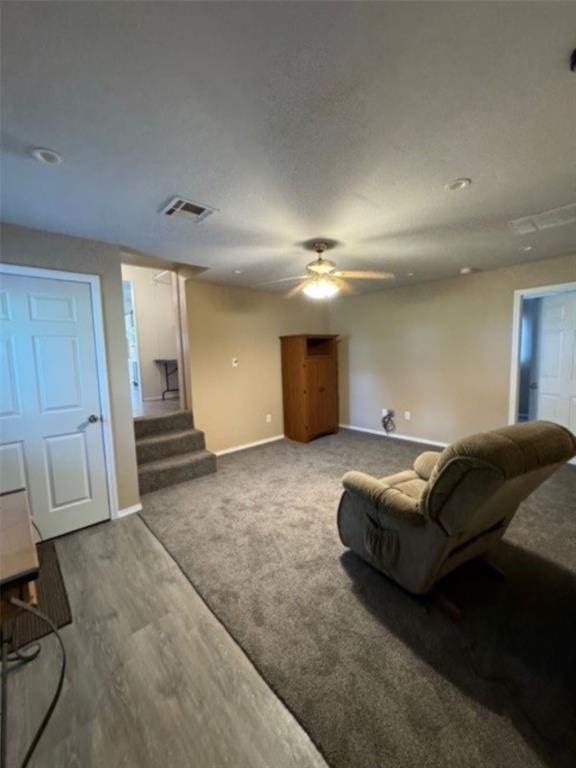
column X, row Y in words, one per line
column 156, row 325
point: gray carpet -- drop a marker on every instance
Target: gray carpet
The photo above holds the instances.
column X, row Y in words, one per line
column 377, row 677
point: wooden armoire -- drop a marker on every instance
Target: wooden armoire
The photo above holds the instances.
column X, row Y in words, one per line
column 310, row 386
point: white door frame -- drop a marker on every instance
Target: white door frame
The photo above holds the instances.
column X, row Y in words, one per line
column 101, row 365
column 543, row 290
column 181, row 323
column 135, row 319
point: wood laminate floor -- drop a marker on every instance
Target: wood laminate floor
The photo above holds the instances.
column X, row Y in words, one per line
column 154, row 680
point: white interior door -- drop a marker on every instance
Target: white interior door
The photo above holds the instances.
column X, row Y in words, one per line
column 556, row 362
column 48, row 392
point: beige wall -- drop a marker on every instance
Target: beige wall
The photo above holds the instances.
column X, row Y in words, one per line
column 440, row 350
column 230, row 404
column 35, row 248
column 155, row 325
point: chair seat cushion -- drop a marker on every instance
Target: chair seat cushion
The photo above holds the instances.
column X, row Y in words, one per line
column 408, row 482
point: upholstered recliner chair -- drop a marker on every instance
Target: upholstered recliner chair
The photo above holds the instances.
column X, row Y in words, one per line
column 416, row 526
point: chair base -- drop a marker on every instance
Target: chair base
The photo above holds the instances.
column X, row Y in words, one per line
column 446, row 605
column 439, row 599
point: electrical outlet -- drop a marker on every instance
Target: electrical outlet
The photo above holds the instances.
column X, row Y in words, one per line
column 387, row 412
column 268, row 418
column 407, row 415
column 235, row 362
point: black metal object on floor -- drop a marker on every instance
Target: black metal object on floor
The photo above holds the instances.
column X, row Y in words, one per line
column 18, row 658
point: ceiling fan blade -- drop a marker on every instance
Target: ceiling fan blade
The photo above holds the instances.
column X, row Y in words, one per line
column 296, row 290
column 342, row 285
column 363, row 275
column 281, row 280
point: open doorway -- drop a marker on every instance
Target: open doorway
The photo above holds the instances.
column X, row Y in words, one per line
column 152, row 337
column 132, row 339
column 543, row 383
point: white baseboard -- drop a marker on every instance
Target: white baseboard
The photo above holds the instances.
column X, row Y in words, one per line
column 249, row 445
column 411, row 438
column 395, row 435
column 127, row 511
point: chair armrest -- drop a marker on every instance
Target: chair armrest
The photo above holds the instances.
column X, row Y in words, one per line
column 391, row 500
column 425, row 463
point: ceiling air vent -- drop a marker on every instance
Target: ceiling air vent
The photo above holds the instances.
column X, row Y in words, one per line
column 187, row 209
column 556, row 217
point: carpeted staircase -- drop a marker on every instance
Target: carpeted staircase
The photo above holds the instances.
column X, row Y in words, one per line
column 169, row 451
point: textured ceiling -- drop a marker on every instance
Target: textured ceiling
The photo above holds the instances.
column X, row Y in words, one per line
column 294, row 120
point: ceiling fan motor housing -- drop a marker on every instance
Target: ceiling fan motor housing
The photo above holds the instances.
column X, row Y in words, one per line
column 321, row 266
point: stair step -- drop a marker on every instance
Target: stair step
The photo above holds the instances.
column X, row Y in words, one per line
column 169, row 422
column 153, row 475
column 165, row 444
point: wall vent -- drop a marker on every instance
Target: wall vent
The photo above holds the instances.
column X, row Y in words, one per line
column 187, row 209
column 556, row 217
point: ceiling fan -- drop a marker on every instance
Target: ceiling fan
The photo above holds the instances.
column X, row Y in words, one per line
column 323, row 280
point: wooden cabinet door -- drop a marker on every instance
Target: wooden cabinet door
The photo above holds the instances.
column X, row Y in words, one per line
column 322, row 395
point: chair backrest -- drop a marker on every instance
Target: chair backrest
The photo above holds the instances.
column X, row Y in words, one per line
column 480, row 480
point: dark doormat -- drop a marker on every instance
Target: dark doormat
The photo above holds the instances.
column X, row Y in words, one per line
column 52, row 599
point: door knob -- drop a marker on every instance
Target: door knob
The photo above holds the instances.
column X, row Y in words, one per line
column 534, row 385
column 93, row 418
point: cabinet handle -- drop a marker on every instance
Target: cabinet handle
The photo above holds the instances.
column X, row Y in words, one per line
column 322, row 389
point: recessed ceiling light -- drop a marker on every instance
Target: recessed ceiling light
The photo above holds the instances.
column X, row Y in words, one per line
column 526, row 248
column 458, row 184
column 46, row 156
column 238, row 271
column 410, row 274
column 466, row 270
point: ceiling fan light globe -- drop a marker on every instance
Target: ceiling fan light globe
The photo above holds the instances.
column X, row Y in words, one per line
column 321, row 288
